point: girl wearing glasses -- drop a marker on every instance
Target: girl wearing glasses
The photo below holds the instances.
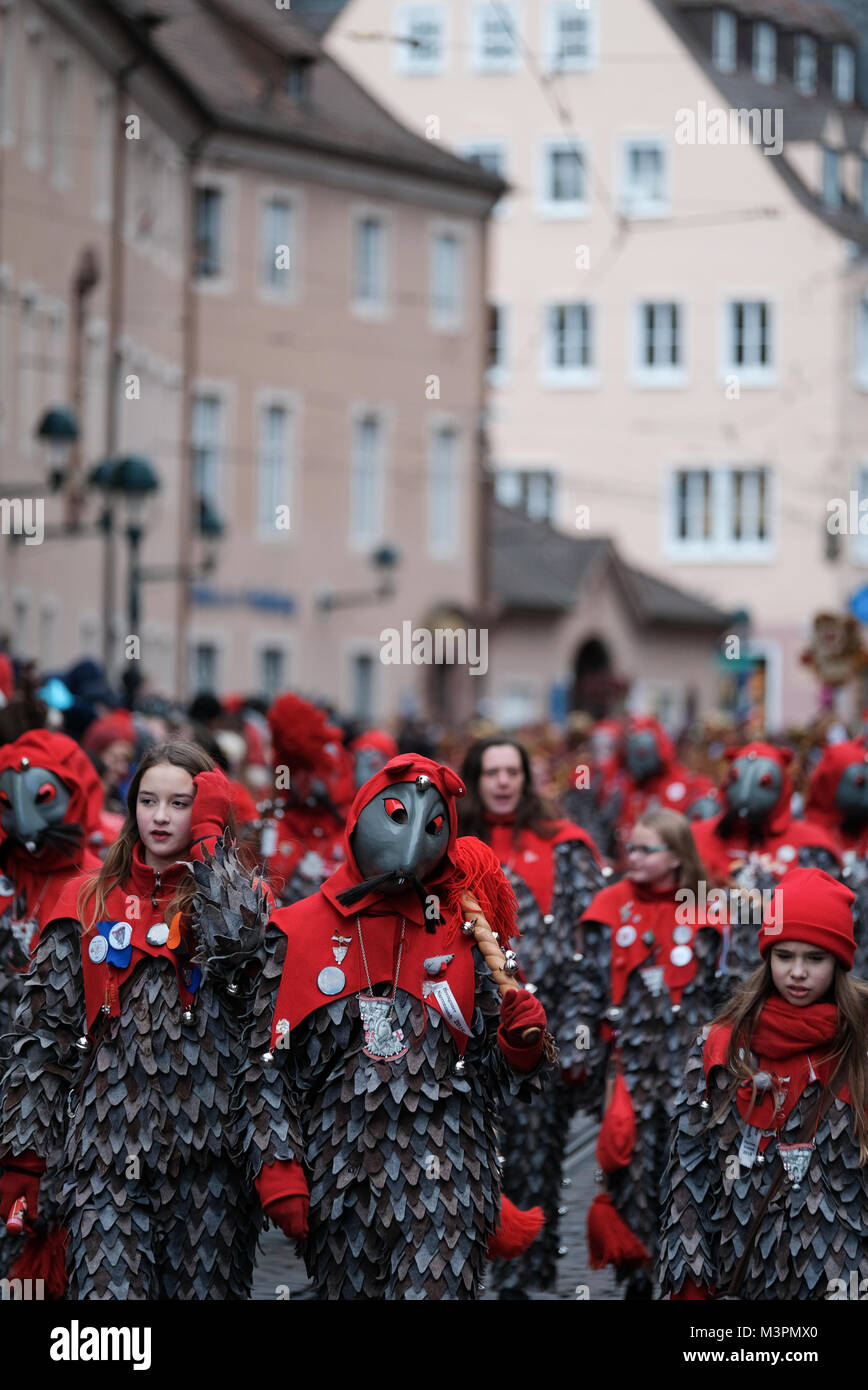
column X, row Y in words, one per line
column 648, row 984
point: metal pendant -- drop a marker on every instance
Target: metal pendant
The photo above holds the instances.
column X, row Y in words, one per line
column 383, row 1042
column 339, row 947
column 796, row 1159
column 330, row 980
column 158, row 934
column 652, row 978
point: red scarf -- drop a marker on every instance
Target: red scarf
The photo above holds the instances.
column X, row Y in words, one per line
column 788, row 1042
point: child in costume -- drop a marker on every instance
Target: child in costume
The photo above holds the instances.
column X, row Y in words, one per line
column 555, row 871
column 120, row 1087
column 381, row 1052
column 648, row 983
column 766, row 1191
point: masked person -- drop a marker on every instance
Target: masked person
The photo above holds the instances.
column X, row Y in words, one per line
column 755, row 841
column 647, row 775
column 647, row 981
column 116, row 1104
column 302, row 834
column 766, row 1189
column 381, row 1054
column 370, row 751
column 838, row 803
column 555, row 871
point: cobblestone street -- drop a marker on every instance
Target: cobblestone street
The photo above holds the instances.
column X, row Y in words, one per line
column 279, row 1269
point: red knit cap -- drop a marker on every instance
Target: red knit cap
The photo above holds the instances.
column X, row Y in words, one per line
column 812, row 907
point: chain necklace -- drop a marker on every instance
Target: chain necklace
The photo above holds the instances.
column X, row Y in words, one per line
column 383, row 1041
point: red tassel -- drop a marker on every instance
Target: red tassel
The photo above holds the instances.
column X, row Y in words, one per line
column 610, row 1240
column 299, row 732
column 517, row 1230
column 44, row 1257
column 617, row 1137
column 478, row 872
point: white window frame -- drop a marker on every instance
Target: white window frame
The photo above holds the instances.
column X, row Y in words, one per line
column 477, row 13
column 764, row 51
column 469, row 148
column 555, row 209
column 843, row 72
column 521, row 474
column 555, row 376
column 724, row 40
column 444, row 547
column 207, row 636
column 364, row 541
column 451, row 321
column 353, row 648
column 263, row 641
column 805, row 64
column 379, row 308
column 720, row 548
column 666, row 376
column 227, row 184
column 750, row 376
column 288, row 291
column 405, row 59
column 289, row 401
column 102, row 170
column 860, row 342
column 26, row 393
column 33, row 84
column 550, row 31
column 638, row 207
column 222, row 393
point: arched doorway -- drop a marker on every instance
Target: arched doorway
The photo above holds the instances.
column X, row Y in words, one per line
column 594, row 687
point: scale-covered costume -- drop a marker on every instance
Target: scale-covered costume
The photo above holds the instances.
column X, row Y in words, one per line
column 383, row 1121
column 554, row 880
column 121, row 1083
column 729, row 1148
column 838, row 803
column 647, row 982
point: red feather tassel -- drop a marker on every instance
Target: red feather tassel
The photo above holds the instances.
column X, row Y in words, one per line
column 299, row 732
column 517, row 1230
column 44, row 1257
column 478, row 872
column 610, row 1240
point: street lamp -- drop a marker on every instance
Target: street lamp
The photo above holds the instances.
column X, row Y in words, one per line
column 133, row 480
column 385, row 559
column 58, row 431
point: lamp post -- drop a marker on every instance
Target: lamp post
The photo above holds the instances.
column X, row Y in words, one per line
column 58, row 433
column 385, row 559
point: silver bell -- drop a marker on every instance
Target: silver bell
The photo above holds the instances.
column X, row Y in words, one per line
column 647, row 938
column 577, row 956
column 467, row 928
column 106, row 1008
column 760, row 1158
column 676, row 1008
column 83, row 1043
column 460, row 1067
column 599, row 1177
column 510, row 962
column 187, row 1016
column 232, row 989
column 566, row 1182
column 704, row 1105
column 613, row 1013
column 562, row 1211
column 267, row 1057
column 423, row 782
column 562, row 1250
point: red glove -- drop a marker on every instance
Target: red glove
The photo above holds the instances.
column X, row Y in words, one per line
column 20, row 1178
column 283, row 1193
column 211, row 808
column 520, row 1010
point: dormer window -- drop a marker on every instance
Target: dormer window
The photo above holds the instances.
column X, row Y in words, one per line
column 298, row 80
column 765, row 52
column 805, row 65
column 843, row 72
column 724, row 40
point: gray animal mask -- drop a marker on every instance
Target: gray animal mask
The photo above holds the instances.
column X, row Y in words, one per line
column 851, row 797
column 642, row 755
column 403, row 830
column 754, row 787
column 32, row 802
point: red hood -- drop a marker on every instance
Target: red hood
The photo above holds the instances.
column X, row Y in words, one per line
column 780, row 814
column 61, row 755
column 377, row 739
column 405, row 768
column 826, row 777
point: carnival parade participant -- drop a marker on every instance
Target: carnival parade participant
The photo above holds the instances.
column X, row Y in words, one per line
column 838, row 802
column 647, row 981
column 118, row 1095
column 766, row 1190
column 756, row 840
column 381, row 1052
column 554, row 869
column 648, row 774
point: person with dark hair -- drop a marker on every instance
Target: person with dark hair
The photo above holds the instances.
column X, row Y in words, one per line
column 766, row 1189
column 554, row 869
column 648, row 981
column 116, row 1106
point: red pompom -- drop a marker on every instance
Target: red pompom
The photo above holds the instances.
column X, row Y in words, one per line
column 477, row 871
column 617, row 1137
column 300, row 732
column 517, row 1230
column 44, row 1257
column 610, row 1240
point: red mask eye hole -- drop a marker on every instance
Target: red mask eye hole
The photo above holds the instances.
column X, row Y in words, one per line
column 766, row 779
column 860, row 779
column 47, row 793
column 395, row 810
column 733, row 776
column 435, row 825
column 4, row 801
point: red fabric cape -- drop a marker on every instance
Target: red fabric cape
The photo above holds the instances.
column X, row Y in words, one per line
column 723, row 856
column 532, row 857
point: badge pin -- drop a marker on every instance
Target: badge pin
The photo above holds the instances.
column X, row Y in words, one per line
column 434, row 964
column 120, row 936
column 625, row 936
column 340, row 945
column 787, row 852
column 796, row 1159
column 681, row 955
column 282, row 1026
column 330, row 980
column 98, row 949
column 157, row 935
column 681, row 936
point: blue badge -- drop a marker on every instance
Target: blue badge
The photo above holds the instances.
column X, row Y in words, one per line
column 119, row 936
column 192, row 977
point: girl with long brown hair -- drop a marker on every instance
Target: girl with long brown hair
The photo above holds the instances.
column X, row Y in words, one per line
column 120, row 1088
column 648, row 981
column 766, row 1191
